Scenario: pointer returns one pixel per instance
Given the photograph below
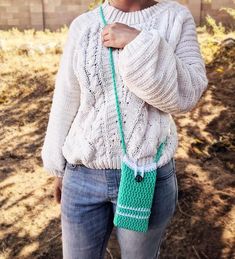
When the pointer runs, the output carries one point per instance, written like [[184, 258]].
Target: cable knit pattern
[[159, 73]]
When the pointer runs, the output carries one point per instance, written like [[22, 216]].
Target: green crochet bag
[[137, 183]]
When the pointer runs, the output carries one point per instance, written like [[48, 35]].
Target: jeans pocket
[[164, 200], [166, 176], [166, 172], [165, 195]]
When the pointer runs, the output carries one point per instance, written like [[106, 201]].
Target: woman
[[160, 72]]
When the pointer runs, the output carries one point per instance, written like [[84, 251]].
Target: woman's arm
[[172, 81], [65, 104]]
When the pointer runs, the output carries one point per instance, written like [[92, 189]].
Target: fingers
[[106, 41], [105, 37], [57, 194], [114, 35], [105, 32], [57, 189]]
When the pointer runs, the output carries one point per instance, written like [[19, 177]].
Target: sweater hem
[[115, 162], [54, 172]]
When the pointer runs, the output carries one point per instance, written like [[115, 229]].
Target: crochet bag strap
[[135, 194], [160, 149]]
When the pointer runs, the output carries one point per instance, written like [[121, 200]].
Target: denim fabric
[[88, 203]]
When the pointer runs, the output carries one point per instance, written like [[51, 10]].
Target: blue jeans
[[88, 203]]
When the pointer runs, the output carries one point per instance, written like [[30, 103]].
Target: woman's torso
[[93, 139]]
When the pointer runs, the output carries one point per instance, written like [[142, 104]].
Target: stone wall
[[52, 14], [39, 14]]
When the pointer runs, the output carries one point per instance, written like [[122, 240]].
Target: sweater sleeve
[[170, 79], [65, 103]]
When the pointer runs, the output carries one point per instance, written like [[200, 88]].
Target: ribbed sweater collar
[[113, 14]]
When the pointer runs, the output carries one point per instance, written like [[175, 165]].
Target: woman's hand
[[58, 188], [117, 35]]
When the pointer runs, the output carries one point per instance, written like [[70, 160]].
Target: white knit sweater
[[159, 73]]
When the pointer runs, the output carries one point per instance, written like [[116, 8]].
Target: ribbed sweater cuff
[[54, 172]]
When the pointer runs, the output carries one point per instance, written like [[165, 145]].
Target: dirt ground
[[203, 225]]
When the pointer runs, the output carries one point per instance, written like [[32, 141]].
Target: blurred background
[[32, 34]]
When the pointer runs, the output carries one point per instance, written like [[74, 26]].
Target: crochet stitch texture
[[160, 73]]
